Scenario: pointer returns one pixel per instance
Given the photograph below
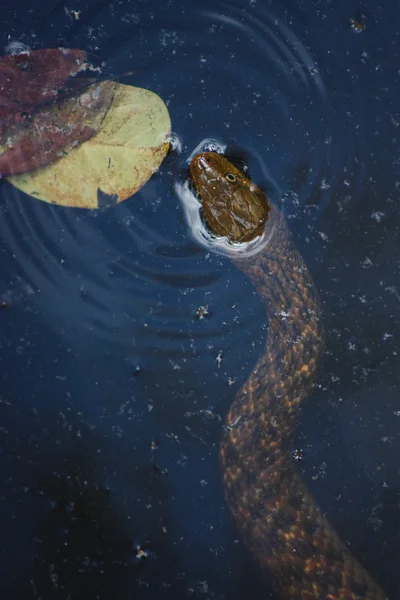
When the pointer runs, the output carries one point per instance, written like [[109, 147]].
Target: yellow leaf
[[127, 149]]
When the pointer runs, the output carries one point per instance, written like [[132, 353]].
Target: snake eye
[[231, 177]]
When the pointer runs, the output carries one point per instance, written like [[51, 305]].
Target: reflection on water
[[112, 391]]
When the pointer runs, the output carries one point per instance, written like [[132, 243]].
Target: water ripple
[[233, 74]]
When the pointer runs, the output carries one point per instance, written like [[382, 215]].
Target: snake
[[277, 517]]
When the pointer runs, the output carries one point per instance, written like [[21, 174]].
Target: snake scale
[[276, 515]]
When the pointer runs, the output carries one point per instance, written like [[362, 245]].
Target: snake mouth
[[201, 161]]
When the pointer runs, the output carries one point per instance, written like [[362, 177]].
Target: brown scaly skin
[[278, 518], [237, 208]]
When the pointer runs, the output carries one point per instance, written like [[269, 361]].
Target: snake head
[[233, 206]]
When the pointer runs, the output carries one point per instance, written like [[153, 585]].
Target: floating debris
[[202, 312], [142, 553], [358, 25], [298, 454], [154, 445], [138, 369]]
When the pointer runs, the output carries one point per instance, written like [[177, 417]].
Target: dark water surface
[[111, 399]]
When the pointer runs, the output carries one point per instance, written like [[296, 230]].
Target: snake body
[[279, 520]]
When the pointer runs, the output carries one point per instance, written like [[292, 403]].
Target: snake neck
[[287, 368], [278, 518]]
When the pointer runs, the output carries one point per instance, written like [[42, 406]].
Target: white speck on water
[[323, 236], [71, 13], [175, 366], [366, 263], [169, 38], [377, 215], [321, 472], [393, 290]]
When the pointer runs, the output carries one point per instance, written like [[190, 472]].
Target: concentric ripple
[[233, 73], [109, 276]]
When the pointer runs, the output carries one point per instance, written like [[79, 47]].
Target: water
[[112, 400]]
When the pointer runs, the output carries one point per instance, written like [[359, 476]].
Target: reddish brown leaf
[[33, 79], [54, 130]]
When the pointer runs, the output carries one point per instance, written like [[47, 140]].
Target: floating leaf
[[54, 129], [115, 163], [37, 123], [32, 79]]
